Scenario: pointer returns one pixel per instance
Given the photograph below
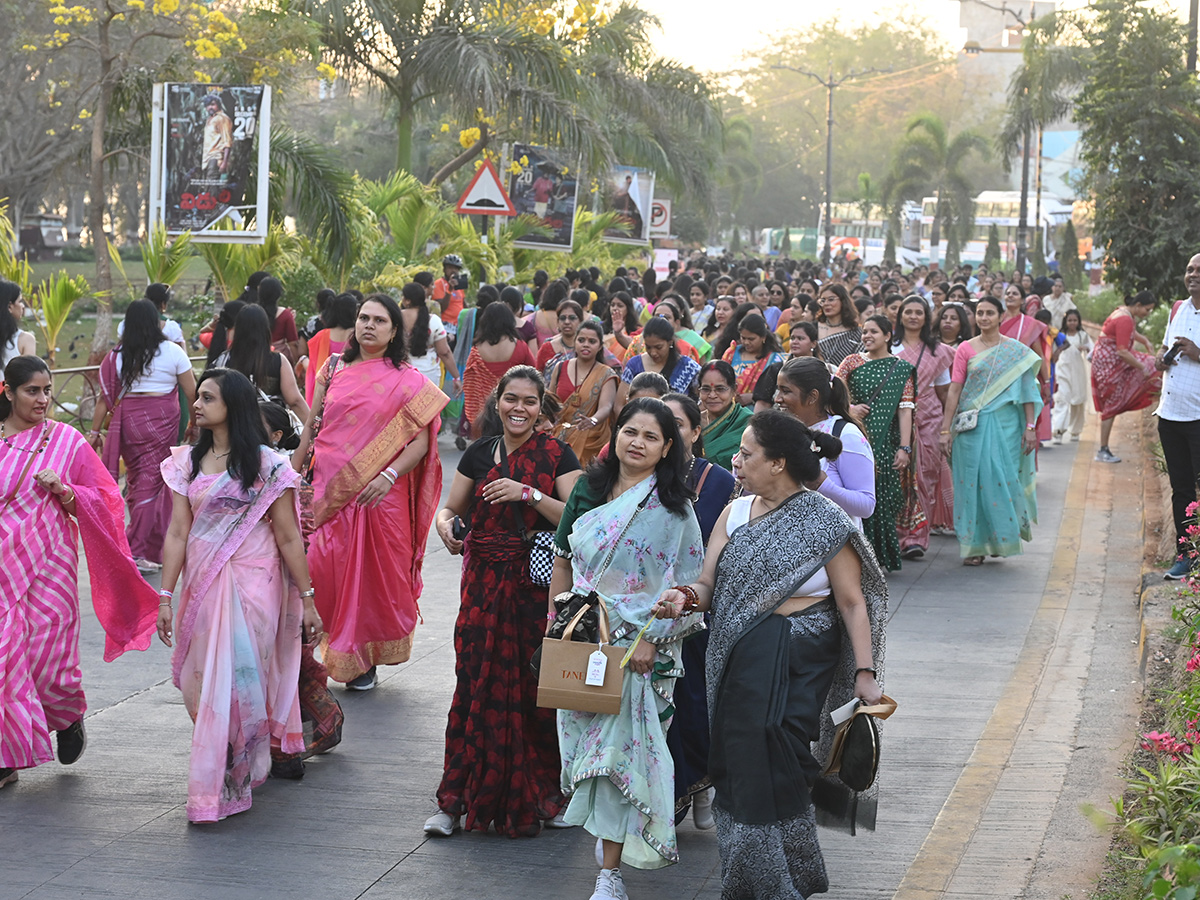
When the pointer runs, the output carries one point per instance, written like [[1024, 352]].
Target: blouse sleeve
[[908, 399], [1122, 330], [437, 330], [577, 504], [850, 481], [177, 470], [289, 325], [631, 370], [962, 356], [174, 358]]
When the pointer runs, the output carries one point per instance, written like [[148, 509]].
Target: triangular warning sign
[[485, 195]]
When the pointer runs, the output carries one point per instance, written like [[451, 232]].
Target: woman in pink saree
[[377, 480], [54, 490], [932, 360], [1032, 333], [235, 549]]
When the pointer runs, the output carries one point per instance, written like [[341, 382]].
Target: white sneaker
[[702, 816], [442, 823], [558, 821], [610, 886]]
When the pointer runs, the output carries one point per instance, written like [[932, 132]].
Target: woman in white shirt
[[138, 381], [13, 341], [428, 346]]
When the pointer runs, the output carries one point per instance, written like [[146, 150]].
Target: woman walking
[[428, 346], [883, 394], [1070, 379], [501, 763], [497, 349], [1032, 333], [54, 491], [837, 324], [994, 385], [661, 356], [800, 637], [250, 353], [621, 324], [932, 361], [377, 477], [338, 319], [13, 341], [724, 419], [1123, 379], [245, 602], [588, 391], [757, 349], [628, 533], [138, 381], [569, 314]]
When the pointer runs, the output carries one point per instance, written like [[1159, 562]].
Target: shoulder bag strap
[[838, 427], [24, 472], [886, 379], [703, 478]]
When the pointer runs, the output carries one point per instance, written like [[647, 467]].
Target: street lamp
[[829, 83]]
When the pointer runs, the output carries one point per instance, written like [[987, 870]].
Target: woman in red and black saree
[[501, 764], [54, 490], [376, 479], [245, 603]]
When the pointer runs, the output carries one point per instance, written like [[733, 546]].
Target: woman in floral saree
[[883, 396], [377, 479], [799, 606], [628, 532], [995, 491], [235, 552], [54, 490]]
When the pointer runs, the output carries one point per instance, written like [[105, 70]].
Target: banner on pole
[[209, 142], [544, 183], [628, 191]]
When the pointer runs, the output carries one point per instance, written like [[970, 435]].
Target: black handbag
[[854, 757]]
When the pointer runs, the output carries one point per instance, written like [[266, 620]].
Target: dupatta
[[723, 437], [372, 411], [993, 370], [585, 399]]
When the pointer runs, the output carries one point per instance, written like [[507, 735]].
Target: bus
[[862, 238], [1002, 209]]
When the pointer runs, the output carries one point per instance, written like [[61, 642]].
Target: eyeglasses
[[568, 318], [715, 389]]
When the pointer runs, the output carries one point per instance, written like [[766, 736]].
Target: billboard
[[628, 192], [544, 183], [209, 143]]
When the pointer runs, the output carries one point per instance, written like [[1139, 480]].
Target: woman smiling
[[723, 417]]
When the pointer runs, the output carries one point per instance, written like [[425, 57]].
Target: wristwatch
[[906, 448], [535, 497]]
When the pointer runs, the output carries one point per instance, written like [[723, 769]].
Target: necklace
[[217, 455], [41, 446]]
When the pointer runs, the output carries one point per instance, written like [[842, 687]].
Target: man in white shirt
[[1179, 409]]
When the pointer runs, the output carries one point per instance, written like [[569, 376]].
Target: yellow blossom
[[326, 71], [445, 128], [29, 48], [202, 77], [165, 7], [468, 137], [84, 114], [206, 49], [136, 4]]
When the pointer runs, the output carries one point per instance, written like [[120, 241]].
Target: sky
[[712, 37]]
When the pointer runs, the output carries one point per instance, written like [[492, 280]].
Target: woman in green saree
[[724, 419], [883, 395], [995, 495]]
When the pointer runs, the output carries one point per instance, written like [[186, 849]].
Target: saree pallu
[[585, 399], [865, 378], [142, 431], [837, 347], [995, 492], [40, 682], [702, 347], [772, 683], [365, 562], [1117, 386], [1032, 333], [723, 437], [237, 648], [501, 762], [618, 768], [928, 459], [748, 370]]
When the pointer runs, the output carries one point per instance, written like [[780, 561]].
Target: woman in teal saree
[[993, 382], [883, 394]]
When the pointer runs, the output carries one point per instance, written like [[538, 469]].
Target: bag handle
[[881, 710], [578, 617]]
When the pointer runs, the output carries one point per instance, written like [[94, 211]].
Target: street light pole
[[829, 83]]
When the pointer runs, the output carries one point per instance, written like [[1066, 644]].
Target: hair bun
[[825, 446]]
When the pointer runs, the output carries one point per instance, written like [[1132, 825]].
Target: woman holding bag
[[505, 488], [627, 533]]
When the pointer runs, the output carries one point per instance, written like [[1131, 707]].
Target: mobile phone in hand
[[1172, 355]]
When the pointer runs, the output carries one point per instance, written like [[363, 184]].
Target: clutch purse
[[964, 421]]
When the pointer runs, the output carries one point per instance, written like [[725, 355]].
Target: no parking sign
[[660, 218]]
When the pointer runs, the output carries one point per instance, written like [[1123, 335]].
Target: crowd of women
[[643, 444]]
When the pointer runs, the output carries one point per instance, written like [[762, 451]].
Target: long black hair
[[925, 335], [396, 352], [965, 333], [251, 351], [244, 423], [691, 410], [808, 374], [672, 470], [757, 325], [496, 323], [553, 294], [713, 325], [733, 328], [9, 326], [269, 292], [19, 371], [418, 338], [139, 341], [275, 418], [785, 437], [220, 333], [340, 312], [631, 316], [660, 328]]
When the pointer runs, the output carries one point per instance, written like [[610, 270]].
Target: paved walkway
[[1017, 685]]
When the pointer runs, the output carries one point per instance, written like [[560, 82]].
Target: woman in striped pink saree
[[53, 490]]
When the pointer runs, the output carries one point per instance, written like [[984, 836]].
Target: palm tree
[[1040, 93], [928, 160]]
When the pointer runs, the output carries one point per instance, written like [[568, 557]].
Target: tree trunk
[[404, 140], [463, 158], [102, 286]]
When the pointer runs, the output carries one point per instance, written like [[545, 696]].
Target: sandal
[[973, 561]]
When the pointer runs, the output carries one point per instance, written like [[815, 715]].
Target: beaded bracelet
[[691, 600]]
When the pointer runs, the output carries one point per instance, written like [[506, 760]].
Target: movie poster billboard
[[211, 145], [546, 187], [628, 192]]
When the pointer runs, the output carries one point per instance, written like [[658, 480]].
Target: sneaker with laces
[[72, 741], [1180, 570], [1105, 455], [364, 682], [442, 823], [610, 886]]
